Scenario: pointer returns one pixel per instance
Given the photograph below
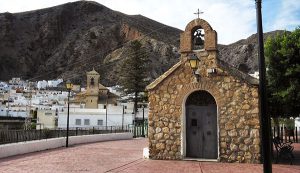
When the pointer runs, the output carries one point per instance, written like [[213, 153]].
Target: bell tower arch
[[198, 35]]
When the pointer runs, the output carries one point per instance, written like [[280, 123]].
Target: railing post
[[140, 131], [285, 137], [296, 134], [134, 130], [281, 132], [147, 130], [278, 130]]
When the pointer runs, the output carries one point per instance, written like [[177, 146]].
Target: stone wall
[[237, 102]]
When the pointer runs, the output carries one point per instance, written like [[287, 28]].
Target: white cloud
[[14, 6], [289, 16], [232, 20]]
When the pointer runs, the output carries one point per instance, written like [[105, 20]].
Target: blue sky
[[232, 19], [281, 14]]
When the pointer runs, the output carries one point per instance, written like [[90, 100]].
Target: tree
[[133, 72], [283, 74]]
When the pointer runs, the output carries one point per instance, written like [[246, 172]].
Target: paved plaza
[[123, 156]]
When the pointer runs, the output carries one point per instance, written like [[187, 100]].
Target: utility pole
[[106, 114], [7, 110], [29, 116], [264, 117], [68, 118], [123, 118], [143, 130]]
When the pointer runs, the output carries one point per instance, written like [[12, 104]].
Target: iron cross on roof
[[199, 12]]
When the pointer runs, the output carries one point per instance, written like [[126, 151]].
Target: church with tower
[[92, 92], [202, 108], [96, 94]]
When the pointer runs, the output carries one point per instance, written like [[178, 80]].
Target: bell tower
[[200, 40], [92, 91], [198, 36]]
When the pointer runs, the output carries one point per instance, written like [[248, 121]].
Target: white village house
[[96, 106]]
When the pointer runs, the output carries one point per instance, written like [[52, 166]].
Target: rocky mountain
[[243, 53], [70, 39]]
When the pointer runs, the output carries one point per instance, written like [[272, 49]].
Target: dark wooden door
[[201, 131]]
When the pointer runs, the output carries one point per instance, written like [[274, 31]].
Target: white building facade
[[85, 118]]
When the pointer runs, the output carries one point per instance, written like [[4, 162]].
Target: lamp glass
[[193, 63], [193, 59], [69, 85]]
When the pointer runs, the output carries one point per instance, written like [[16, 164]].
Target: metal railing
[[137, 130], [286, 134], [13, 136]]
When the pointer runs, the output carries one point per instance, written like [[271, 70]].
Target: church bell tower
[[92, 92]]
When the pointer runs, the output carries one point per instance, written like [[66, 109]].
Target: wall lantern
[[194, 61]]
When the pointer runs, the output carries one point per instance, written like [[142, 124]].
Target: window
[[104, 107], [48, 113], [92, 81], [86, 122], [78, 122], [100, 122]]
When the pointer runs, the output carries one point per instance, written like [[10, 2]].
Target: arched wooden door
[[201, 126]]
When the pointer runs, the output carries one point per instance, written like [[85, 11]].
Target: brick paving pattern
[[123, 156]]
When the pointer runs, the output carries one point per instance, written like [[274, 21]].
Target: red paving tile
[[122, 156]]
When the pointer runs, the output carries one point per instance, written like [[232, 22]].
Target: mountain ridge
[[69, 39]]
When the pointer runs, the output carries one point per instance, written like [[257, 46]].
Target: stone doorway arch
[[201, 126]]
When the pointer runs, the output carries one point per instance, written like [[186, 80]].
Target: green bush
[[33, 125], [47, 133], [289, 123]]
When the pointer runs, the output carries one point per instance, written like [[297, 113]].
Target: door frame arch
[[183, 125]]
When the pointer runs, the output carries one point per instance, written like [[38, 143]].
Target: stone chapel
[[207, 112]]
